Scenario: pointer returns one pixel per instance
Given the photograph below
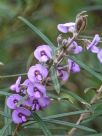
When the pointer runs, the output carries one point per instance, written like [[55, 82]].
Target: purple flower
[[63, 75], [73, 67], [27, 103], [37, 73], [74, 48], [43, 53], [12, 101], [99, 55], [36, 90], [67, 27], [16, 87], [20, 115], [38, 104], [93, 45], [25, 85]]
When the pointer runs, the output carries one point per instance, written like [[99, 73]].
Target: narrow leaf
[[96, 114], [59, 116], [6, 120], [60, 122], [76, 97], [66, 114], [42, 124], [4, 93], [63, 123], [4, 114], [14, 75], [3, 130], [89, 89], [55, 80], [37, 31]]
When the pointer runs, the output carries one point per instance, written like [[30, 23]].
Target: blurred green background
[[17, 42]]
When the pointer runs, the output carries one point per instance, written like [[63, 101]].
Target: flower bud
[[81, 22], [59, 39], [64, 42]]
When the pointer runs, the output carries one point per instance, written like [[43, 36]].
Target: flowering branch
[[31, 95], [83, 116]]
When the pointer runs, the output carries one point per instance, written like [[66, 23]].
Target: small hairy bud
[[86, 42], [81, 21], [59, 39], [64, 42]]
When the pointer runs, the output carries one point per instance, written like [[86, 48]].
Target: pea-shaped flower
[[74, 47], [73, 67], [62, 74], [25, 85], [37, 73], [93, 45], [43, 53], [12, 101], [36, 90], [16, 87], [38, 104], [67, 27], [20, 115]]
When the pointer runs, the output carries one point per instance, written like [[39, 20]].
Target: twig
[[83, 116]]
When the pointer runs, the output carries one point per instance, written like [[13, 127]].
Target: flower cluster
[[31, 95], [28, 96], [91, 46]]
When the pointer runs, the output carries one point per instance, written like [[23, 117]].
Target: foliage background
[[17, 42]]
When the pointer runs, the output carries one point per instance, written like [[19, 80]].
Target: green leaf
[[3, 130], [51, 95], [4, 93], [76, 97], [66, 114], [75, 106], [59, 116], [41, 124], [63, 123], [6, 120], [37, 31], [15, 75], [67, 97], [96, 114], [55, 80], [87, 68], [60, 122], [4, 114], [89, 89]]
